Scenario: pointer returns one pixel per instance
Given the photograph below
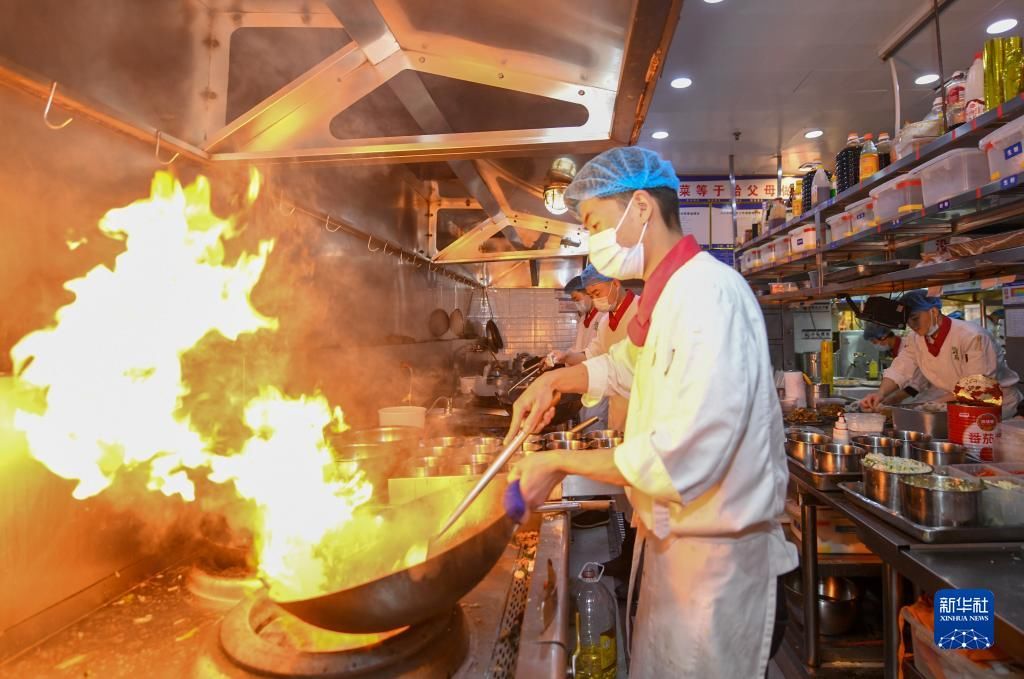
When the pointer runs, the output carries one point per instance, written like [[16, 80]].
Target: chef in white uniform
[[589, 315], [703, 460], [943, 350], [619, 307], [888, 342]]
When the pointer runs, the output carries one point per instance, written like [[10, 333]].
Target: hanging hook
[[371, 249], [385, 247], [327, 225], [418, 262], [280, 207], [159, 134], [46, 111]]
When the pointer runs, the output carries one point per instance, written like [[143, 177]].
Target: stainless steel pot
[[419, 467], [816, 393], [442, 442], [836, 458], [810, 364], [800, 446], [882, 485], [400, 435], [941, 501], [561, 436], [875, 441], [939, 453], [483, 449], [603, 444], [566, 445], [907, 440], [935, 425], [492, 441], [603, 434]]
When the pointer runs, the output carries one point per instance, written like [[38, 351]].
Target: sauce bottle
[[868, 157]]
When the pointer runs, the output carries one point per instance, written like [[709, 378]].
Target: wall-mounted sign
[[718, 188]]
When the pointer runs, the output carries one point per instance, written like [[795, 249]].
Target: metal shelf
[[967, 134]]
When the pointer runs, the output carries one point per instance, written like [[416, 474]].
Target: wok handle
[[583, 425], [573, 505], [487, 477]]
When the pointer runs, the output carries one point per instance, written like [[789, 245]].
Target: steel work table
[[998, 567]]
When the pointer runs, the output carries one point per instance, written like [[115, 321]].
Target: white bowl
[[466, 384], [403, 416]]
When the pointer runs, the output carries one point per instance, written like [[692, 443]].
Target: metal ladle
[[492, 471]]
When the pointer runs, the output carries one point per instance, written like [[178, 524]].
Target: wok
[[399, 596]]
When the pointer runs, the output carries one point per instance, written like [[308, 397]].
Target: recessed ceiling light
[[712, 2], [813, 134], [660, 134], [681, 83], [927, 79], [1001, 26]]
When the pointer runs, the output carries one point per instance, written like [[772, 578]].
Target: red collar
[[590, 316], [681, 253], [616, 315], [935, 344], [896, 349]]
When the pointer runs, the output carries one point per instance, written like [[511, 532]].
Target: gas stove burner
[[261, 637], [221, 590]]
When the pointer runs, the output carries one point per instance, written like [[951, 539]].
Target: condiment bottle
[[841, 433], [868, 157], [884, 150]]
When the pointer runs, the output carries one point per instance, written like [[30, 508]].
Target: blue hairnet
[[918, 300], [620, 170], [873, 331], [591, 275], [574, 285], [958, 315]]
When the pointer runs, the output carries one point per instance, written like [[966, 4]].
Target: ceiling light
[[1001, 26], [810, 165], [712, 2], [813, 134], [681, 83], [660, 134], [927, 79], [559, 176]]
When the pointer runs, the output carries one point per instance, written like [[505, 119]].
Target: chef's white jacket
[[704, 459], [967, 350], [606, 338], [584, 334]]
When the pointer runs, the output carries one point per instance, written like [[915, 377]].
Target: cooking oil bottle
[[596, 657]]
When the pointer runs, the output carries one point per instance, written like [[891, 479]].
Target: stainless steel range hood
[[478, 98]]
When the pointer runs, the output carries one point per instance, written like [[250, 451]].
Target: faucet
[[448, 405], [408, 396], [857, 355]]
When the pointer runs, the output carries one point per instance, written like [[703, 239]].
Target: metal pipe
[[942, 71], [896, 97], [732, 197], [809, 571], [778, 177]]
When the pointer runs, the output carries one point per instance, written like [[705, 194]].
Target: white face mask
[[583, 306], [602, 304], [614, 260], [932, 329]]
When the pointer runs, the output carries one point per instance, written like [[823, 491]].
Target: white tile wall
[[529, 320]]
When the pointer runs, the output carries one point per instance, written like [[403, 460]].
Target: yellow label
[[868, 165]]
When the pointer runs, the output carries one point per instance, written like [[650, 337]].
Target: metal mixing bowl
[[838, 602], [941, 501], [424, 466], [800, 446], [442, 442], [908, 439], [940, 453], [492, 441], [882, 485], [561, 436], [836, 458]]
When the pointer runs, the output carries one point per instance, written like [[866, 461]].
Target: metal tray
[[853, 273], [855, 491], [826, 482]]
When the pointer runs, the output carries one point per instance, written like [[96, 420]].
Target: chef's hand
[[554, 358], [870, 403], [535, 407], [537, 474]]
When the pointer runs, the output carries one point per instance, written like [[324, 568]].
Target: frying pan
[[438, 322], [494, 340], [458, 561], [457, 323]]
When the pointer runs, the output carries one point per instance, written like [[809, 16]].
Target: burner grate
[[506, 649]]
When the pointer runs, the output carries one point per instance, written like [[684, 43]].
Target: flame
[[110, 383]]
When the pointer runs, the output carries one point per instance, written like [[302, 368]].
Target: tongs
[[492, 471]]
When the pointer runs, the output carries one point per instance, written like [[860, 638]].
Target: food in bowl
[[1004, 484], [978, 390], [803, 415], [831, 411], [895, 465], [946, 483]]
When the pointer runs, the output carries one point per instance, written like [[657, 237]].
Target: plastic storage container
[[782, 247], [865, 424], [839, 227], [936, 663], [755, 259], [862, 215], [1002, 502], [1005, 149], [803, 238], [951, 174], [896, 197]]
